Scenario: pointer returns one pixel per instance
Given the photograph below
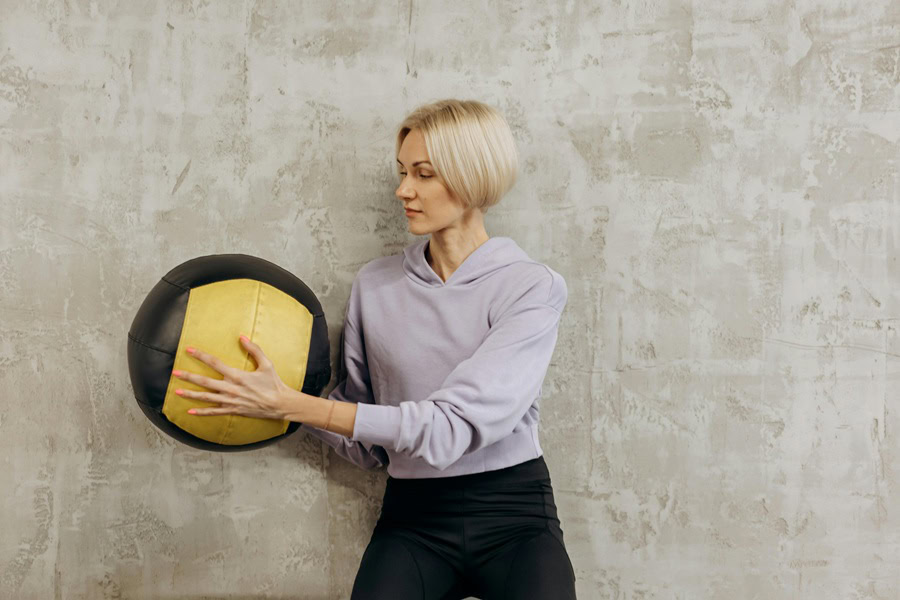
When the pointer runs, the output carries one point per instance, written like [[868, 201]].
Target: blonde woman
[[445, 348]]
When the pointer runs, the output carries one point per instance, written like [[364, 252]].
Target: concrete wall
[[717, 182]]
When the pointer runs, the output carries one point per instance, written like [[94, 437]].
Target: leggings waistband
[[529, 471]]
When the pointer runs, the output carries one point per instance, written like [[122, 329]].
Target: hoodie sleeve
[[486, 395], [354, 387]]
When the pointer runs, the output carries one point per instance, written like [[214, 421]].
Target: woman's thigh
[[537, 568], [394, 567]]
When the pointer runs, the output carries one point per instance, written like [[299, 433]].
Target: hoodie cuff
[[377, 424]]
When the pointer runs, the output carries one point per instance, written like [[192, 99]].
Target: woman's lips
[[410, 213]]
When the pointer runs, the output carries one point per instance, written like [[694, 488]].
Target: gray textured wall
[[717, 182]]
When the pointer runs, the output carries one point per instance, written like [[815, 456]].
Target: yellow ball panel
[[216, 314]]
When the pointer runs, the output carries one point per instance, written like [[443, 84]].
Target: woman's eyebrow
[[415, 163]]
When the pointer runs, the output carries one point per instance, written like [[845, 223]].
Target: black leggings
[[493, 535]]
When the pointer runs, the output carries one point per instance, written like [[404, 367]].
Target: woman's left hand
[[260, 393]]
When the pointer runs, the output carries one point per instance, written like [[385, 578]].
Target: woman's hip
[[522, 491]]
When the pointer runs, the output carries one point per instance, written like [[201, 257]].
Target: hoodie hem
[[515, 448]]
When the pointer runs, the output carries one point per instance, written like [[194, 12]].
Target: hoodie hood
[[496, 253]]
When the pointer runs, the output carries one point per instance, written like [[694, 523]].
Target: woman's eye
[[422, 176]]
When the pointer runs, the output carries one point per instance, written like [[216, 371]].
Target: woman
[[445, 348]]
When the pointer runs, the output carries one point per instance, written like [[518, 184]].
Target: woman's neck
[[445, 253]]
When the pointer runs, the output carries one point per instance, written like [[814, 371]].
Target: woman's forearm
[[313, 410]]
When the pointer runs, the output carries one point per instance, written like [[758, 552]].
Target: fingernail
[[190, 350], [178, 392], [192, 412], [244, 337], [176, 373]]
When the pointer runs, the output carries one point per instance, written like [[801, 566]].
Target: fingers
[[212, 411], [206, 396], [214, 362], [232, 408], [219, 385]]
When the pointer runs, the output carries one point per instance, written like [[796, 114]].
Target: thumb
[[256, 352]]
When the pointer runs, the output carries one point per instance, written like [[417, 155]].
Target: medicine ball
[[207, 302]]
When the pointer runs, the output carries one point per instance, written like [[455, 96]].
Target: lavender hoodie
[[447, 375]]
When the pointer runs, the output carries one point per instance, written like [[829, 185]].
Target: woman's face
[[420, 189]]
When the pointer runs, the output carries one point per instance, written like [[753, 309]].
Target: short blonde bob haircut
[[470, 146]]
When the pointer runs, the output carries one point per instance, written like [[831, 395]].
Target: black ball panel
[[157, 328]]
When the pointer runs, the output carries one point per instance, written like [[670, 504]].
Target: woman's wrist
[[315, 411]]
